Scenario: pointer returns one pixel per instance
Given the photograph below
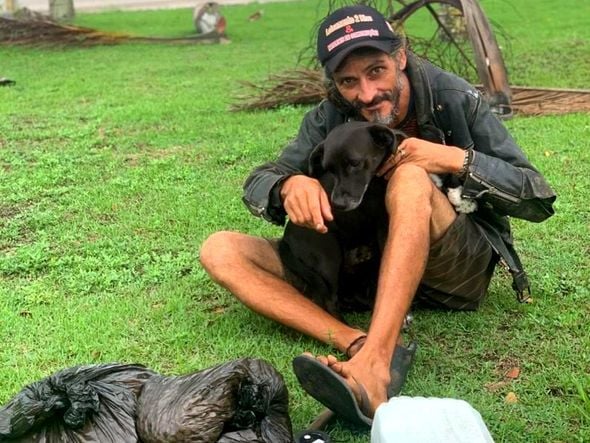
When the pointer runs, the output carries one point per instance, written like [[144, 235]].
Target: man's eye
[[377, 70], [347, 82]]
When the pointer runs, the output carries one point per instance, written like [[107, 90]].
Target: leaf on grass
[[511, 398], [513, 373], [217, 309], [495, 386]]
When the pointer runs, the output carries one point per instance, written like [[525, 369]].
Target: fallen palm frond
[[541, 101], [293, 87], [39, 31], [306, 86]]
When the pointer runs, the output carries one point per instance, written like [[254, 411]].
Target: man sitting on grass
[[432, 254]]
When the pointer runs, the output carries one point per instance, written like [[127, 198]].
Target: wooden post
[[61, 9], [488, 58], [10, 5]]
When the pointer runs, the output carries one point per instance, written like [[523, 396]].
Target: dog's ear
[[386, 138], [315, 161]]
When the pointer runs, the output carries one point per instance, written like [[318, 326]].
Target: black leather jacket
[[449, 111]]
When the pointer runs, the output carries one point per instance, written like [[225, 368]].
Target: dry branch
[[293, 87], [39, 31]]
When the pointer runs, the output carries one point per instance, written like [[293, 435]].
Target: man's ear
[[315, 161], [402, 58]]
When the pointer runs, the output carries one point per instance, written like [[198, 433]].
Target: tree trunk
[[10, 6], [61, 9]]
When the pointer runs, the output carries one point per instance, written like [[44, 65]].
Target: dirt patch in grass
[[184, 153]]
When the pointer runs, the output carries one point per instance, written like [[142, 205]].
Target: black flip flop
[[332, 390], [402, 361]]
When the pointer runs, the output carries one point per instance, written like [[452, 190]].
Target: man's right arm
[[306, 202], [262, 189]]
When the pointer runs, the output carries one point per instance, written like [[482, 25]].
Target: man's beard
[[392, 96], [387, 119]]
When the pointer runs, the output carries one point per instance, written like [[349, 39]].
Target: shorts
[[459, 269], [457, 275]]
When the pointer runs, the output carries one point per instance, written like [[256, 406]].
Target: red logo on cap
[[348, 29]]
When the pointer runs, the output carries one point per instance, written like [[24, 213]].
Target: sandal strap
[[357, 341]]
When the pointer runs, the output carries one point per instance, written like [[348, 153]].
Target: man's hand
[[306, 202], [434, 158]]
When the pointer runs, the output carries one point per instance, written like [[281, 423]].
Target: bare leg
[[419, 214], [251, 270]]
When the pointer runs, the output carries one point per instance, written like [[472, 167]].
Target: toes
[[323, 360], [327, 360], [341, 369], [331, 360]]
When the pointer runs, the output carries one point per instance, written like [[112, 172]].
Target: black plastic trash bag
[[91, 404], [245, 400]]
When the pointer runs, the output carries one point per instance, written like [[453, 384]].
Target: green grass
[[117, 162]]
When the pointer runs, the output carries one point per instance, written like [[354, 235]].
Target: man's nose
[[366, 91]]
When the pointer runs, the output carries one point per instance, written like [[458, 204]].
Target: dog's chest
[[364, 224]]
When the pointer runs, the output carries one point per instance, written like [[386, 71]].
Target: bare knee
[[412, 192], [409, 185], [218, 252], [231, 258]]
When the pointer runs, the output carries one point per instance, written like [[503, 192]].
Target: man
[[372, 77]]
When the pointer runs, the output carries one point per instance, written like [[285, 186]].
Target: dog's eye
[[354, 163]]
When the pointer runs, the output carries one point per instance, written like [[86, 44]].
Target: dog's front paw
[[464, 205]]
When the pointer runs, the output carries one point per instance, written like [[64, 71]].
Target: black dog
[[345, 164]]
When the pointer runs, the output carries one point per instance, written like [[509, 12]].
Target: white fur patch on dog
[[436, 180], [464, 205]]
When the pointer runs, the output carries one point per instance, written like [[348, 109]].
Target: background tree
[[61, 9]]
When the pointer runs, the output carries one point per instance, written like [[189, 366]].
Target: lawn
[[117, 162]]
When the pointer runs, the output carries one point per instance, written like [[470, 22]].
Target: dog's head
[[351, 154]]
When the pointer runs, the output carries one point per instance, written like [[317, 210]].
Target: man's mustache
[[386, 96]]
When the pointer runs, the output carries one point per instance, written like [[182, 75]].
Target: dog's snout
[[347, 205], [344, 201]]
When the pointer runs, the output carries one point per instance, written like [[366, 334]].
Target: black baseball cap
[[352, 27]]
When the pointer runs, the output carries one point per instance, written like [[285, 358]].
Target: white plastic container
[[428, 420]]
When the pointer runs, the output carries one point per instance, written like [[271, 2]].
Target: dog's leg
[[461, 204], [454, 193]]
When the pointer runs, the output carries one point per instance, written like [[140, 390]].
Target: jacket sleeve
[[500, 174], [261, 189]]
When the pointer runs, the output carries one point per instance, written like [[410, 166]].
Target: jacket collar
[[419, 81], [420, 72]]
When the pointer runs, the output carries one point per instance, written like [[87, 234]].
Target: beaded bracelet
[[462, 173]]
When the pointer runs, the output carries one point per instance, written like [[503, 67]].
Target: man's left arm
[[499, 173]]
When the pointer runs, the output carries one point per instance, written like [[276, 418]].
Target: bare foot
[[366, 375]]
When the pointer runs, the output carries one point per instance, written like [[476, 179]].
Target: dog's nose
[[345, 203]]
